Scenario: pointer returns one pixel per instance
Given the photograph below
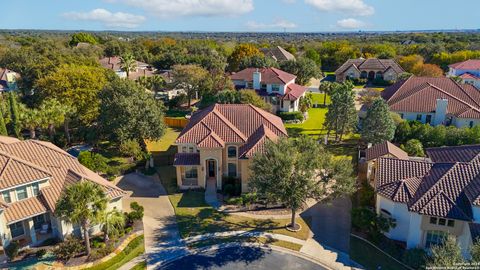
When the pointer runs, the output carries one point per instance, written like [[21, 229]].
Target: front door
[[211, 168]]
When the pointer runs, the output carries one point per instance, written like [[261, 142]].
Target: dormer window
[[232, 152], [35, 189], [21, 193], [6, 196]]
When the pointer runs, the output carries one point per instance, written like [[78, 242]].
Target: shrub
[[131, 148], [128, 230], [366, 195], [414, 148], [93, 161], [382, 82], [12, 250], [415, 258], [68, 249], [51, 241], [249, 198], [229, 189], [291, 116], [135, 214], [359, 81], [235, 201], [97, 243], [374, 225], [40, 253], [101, 252]]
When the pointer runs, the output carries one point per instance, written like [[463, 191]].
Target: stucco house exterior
[[371, 69], [432, 199], [276, 86], [8, 80], [33, 175], [114, 63], [373, 153], [436, 101], [220, 141], [468, 71]]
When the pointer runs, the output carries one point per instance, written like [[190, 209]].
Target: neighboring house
[[220, 141], [8, 80], [437, 101], [431, 199], [373, 153], [278, 54], [371, 69], [468, 71], [276, 86], [114, 63], [33, 175]]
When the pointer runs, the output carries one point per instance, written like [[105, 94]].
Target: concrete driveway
[[162, 239]]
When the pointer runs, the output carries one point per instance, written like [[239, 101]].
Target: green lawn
[[132, 250], [164, 143], [140, 266], [195, 217], [318, 98], [370, 257]]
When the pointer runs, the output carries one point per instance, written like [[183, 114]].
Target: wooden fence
[[176, 122]]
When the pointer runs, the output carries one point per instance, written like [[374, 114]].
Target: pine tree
[[14, 112], [378, 126], [3, 127], [341, 117]]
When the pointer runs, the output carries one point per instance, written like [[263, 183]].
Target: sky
[[241, 15]]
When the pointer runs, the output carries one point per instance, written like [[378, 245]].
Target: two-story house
[[436, 101], [8, 80], [276, 86], [432, 199], [371, 69], [220, 140], [468, 71], [114, 63], [33, 175]]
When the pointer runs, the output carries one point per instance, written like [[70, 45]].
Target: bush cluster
[[69, 248], [12, 250], [291, 116], [232, 186]]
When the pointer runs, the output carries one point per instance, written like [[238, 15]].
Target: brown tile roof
[[256, 142], [222, 124], [420, 94], [62, 167], [469, 64], [370, 64], [268, 75], [294, 91], [23, 209], [186, 159], [446, 188], [385, 148], [14, 171], [469, 76], [464, 153], [278, 53]]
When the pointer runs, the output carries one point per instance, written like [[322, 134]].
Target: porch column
[[33, 235]]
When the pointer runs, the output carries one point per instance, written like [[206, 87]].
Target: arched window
[[232, 152]]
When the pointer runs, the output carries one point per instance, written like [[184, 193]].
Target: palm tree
[[325, 87], [128, 63], [53, 114], [306, 102], [30, 119], [113, 223], [84, 204]]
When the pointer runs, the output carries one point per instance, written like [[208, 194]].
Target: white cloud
[[179, 8], [350, 23], [117, 20], [277, 24], [355, 7]]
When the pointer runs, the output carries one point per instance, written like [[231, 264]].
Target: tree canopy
[[378, 125]]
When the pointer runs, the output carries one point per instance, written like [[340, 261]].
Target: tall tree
[[378, 125], [53, 114], [82, 204], [30, 119], [128, 112], [241, 52], [341, 117], [128, 63], [326, 88], [191, 78], [291, 171], [303, 68], [15, 124], [3, 127], [306, 102]]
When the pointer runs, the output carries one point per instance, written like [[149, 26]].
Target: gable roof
[[445, 188], [268, 75], [370, 64], [277, 53], [385, 148], [222, 124], [34, 160], [463, 153], [4, 74], [420, 94], [468, 75], [468, 64], [294, 91]]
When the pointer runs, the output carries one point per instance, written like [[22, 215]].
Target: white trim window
[[6, 196], [16, 229], [35, 189], [21, 193], [191, 172], [232, 152]]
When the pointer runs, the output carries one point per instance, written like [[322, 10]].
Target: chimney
[[257, 78], [441, 111]]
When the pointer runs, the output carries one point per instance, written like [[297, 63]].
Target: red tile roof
[[469, 64], [385, 148], [420, 94], [268, 75], [446, 188], [469, 76], [294, 91], [222, 124]]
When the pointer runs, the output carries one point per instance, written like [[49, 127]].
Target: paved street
[[239, 258], [162, 240]]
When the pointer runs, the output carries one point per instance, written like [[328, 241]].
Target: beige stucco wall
[[455, 230], [245, 174], [206, 154]]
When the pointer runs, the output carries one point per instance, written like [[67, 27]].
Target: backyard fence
[[176, 122]]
